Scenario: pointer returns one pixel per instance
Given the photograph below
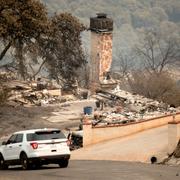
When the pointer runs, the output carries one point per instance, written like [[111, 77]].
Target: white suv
[[33, 148]]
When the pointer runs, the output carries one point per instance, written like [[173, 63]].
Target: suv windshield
[[45, 135]]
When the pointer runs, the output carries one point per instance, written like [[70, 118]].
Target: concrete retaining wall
[[93, 135], [173, 135]]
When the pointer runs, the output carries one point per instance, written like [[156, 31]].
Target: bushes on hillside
[[156, 86]]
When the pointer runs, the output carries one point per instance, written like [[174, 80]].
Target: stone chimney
[[101, 48]]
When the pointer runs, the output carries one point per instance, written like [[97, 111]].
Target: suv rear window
[[45, 135]]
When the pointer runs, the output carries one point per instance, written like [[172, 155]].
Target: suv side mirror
[[4, 143]]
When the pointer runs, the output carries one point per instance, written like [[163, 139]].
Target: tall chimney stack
[[101, 48]]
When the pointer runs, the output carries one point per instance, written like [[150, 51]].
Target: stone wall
[[101, 56], [93, 135], [94, 61], [101, 23], [105, 46], [101, 49]]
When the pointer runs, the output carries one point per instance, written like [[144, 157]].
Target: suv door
[[13, 147], [7, 151], [17, 146]]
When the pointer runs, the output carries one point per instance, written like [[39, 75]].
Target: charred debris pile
[[112, 106], [39, 92], [121, 107]]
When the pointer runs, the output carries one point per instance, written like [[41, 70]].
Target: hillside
[[135, 12], [129, 17]]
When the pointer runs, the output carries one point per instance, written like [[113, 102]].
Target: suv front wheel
[[2, 163]]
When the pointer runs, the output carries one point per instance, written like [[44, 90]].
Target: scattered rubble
[[6, 76], [76, 138], [174, 158], [120, 107], [37, 93], [40, 92]]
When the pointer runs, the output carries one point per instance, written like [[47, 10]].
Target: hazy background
[[130, 17]]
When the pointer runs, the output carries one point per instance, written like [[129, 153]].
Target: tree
[[84, 71], [61, 48], [21, 22], [125, 64], [158, 51], [151, 85], [4, 91]]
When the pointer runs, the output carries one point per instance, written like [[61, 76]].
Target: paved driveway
[[139, 147], [96, 170]]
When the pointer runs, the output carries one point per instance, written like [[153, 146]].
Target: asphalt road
[[92, 170]]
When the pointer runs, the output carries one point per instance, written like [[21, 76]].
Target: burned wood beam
[[110, 95]]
